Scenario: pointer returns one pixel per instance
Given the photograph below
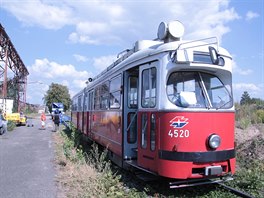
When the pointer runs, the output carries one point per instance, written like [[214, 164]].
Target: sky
[[69, 41]]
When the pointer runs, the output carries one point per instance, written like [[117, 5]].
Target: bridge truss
[[13, 73]]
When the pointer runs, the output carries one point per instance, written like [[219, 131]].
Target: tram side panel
[[85, 123], [80, 121], [106, 130], [74, 117]]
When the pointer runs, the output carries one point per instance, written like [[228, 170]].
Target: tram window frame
[[80, 105], [115, 83], [85, 101], [132, 96], [115, 100], [97, 98], [104, 98], [132, 132], [193, 89], [74, 104], [149, 87], [144, 130], [90, 99], [115, 92]]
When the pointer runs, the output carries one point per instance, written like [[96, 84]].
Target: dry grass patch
[[74, 179], [86, 173]]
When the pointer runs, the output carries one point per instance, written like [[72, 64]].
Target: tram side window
[[132, 92], [104, 95], [144, 128], [97, 98], [85, 102], [132, 133], [90, 101], [115, 92], [149, 88], [80, 103], [74, 104]]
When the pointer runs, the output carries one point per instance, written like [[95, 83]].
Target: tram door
[[130, 114]]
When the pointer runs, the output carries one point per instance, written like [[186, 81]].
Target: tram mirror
[[213, 55]]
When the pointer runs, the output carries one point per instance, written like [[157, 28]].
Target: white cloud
[[210, 19], [100, 63], [246, 86], [102, 22], [36, 12], [80, 58], [251, 15], [49, 71], [254, 90], [52, 70], [46, 72]]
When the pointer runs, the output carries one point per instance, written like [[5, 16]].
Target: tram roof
[[146, 48], [169, 40]]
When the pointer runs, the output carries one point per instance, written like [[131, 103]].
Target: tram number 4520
[[179, 133]]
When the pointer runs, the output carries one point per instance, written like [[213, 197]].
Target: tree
[[245, 98], [57, 93]]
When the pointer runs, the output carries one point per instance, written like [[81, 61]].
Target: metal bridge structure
[[13, 73]]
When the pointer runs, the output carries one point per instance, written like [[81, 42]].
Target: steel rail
[[235, 191]]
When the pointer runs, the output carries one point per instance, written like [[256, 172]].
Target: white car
[[3, 125]]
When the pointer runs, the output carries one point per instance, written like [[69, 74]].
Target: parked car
[[3, 125]]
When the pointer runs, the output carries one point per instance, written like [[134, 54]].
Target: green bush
[[11, 125], [249, 114], [260, 114], [244, 123], [72, 152]]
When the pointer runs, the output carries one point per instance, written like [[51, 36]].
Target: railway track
[[198, 182], [235, 191]]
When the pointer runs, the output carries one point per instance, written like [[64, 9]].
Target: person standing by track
[[56, 120], [43, 120]]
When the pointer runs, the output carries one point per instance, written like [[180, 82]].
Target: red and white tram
[[165, 106]]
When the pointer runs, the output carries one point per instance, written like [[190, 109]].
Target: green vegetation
[[249, 111], [11, 125], [92, 174], [57, 93], [249, 175]]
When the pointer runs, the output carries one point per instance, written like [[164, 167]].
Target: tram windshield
[[198, 90]]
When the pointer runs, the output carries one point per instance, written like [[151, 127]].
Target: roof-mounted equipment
[[173, 31]]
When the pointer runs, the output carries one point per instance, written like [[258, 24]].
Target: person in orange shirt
[[43, 119]]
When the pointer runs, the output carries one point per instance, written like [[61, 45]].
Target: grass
[[85, 171]]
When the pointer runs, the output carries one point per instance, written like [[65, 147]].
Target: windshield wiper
[[223, 105]]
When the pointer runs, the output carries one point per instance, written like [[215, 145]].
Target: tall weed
[[248, 114]]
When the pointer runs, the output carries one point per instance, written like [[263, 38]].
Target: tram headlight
[[214, 141]]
